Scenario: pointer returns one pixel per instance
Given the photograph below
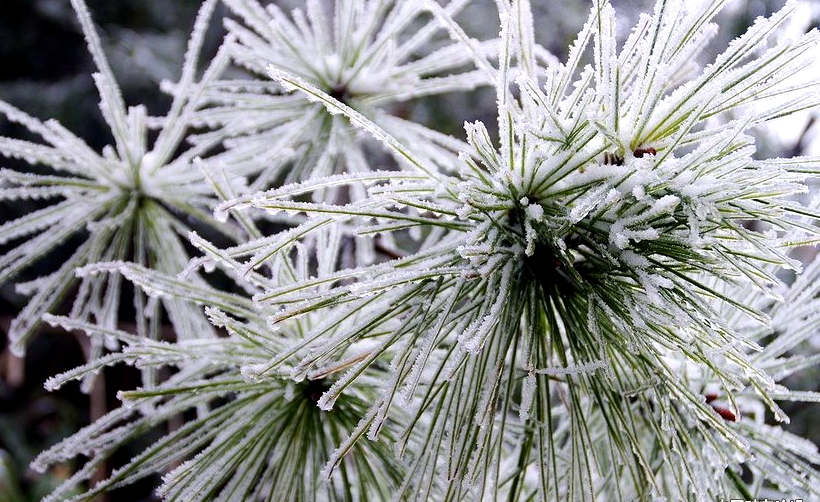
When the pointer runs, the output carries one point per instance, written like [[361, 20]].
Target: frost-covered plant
[[368, 54], [131, 202], [254, 431], [588, 307], [250, 427], [592, 242], [253, 438]]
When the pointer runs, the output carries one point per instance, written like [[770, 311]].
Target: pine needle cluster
[[589, 304]]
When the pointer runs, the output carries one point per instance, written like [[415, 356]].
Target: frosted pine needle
[[370, 55], [588, 308], [604, 236], [130, 202], [255, 436]]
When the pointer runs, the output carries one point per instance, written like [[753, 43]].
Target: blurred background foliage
[[45, 70]]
